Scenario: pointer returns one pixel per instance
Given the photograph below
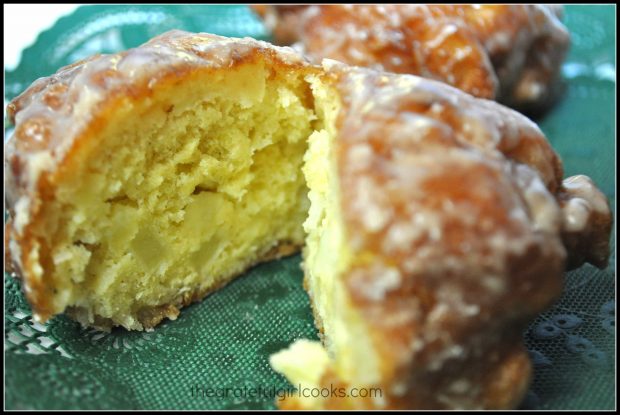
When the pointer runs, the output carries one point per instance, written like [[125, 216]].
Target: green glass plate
[[224, 341]]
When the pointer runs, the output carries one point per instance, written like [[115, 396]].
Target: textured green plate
[[224, 341]]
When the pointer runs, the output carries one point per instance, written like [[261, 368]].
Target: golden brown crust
[[507, 52], [587, 222], [452, 226]]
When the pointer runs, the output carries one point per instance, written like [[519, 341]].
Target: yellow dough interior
[[326, 259], [182, 191]]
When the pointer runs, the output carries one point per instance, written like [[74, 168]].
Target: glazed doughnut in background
[[510, 53]]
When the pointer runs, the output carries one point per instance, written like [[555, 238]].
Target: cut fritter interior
[[182, 191], [327, 257]]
